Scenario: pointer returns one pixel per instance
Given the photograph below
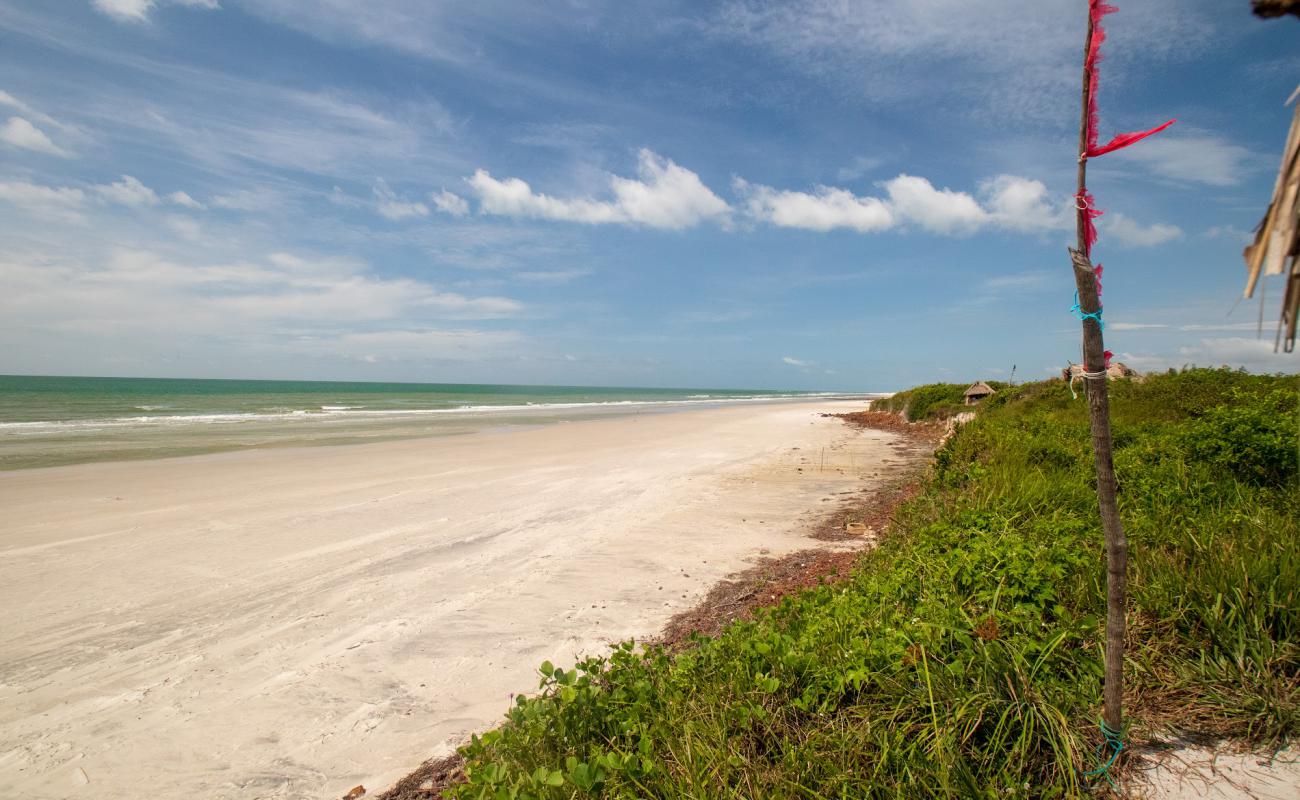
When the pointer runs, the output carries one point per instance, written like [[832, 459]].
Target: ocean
[[51, 421]]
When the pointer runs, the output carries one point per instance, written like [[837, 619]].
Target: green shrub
[[1256, 441]]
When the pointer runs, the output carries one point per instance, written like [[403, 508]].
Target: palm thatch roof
[[1276, 249], [979, 389]]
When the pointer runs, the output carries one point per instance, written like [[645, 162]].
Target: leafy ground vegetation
[[963, 657]]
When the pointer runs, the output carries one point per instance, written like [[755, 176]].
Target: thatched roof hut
[[977, 392], [1276, 249]]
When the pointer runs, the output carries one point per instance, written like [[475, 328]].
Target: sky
[[787, 194]]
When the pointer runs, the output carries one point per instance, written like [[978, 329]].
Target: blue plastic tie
[[1078, 311], [1113, 740]]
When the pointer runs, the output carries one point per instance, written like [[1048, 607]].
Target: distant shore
[[293, 622]]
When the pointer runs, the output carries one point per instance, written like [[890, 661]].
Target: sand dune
[[290, 623]]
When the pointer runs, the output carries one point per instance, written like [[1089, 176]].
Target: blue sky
[[810, 194]]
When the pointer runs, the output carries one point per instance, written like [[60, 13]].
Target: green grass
[[963, 657]]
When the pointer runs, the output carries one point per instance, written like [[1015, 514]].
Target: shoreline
[[44, 444], [283, 622]]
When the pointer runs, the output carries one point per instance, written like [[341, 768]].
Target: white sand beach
[[291, 623]]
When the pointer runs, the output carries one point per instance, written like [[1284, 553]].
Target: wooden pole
[[1095, 383]]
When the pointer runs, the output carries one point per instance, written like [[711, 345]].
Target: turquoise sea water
[[47, 421]]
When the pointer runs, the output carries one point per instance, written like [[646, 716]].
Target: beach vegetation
[[962, 658]]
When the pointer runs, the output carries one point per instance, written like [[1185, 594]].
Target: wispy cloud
[[1255, 355], [797, 362], [449, 203], [1202, 158], [860, 167], [128, 191], [1019, 281], [55, 202], [1133, 234], [390, 206], [252, 200], [552, 276], [1230, 232], [149, 293], [139, 10], [990, 58], [18, 132], [1134, 326], [183, 199]]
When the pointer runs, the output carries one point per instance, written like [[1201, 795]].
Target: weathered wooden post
[[1087, 280]]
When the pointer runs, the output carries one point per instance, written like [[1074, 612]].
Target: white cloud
[[18, 132], [128, 191], [1010, 202], [46, 201], [827, 209], [138, 10], [1022, 204], [183, 199], [939, 210], [665, 195], [1194, 158], [797, 362], [390, 206], [449, 203], [1133, 234]]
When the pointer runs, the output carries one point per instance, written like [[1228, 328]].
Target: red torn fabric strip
[[1096, 271], [1096, 10], [1109, 355], [1123, 140], [1084, 202]]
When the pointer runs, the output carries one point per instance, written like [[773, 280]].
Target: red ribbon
[[1084, 202], [1096, 10], [1123, 140]]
